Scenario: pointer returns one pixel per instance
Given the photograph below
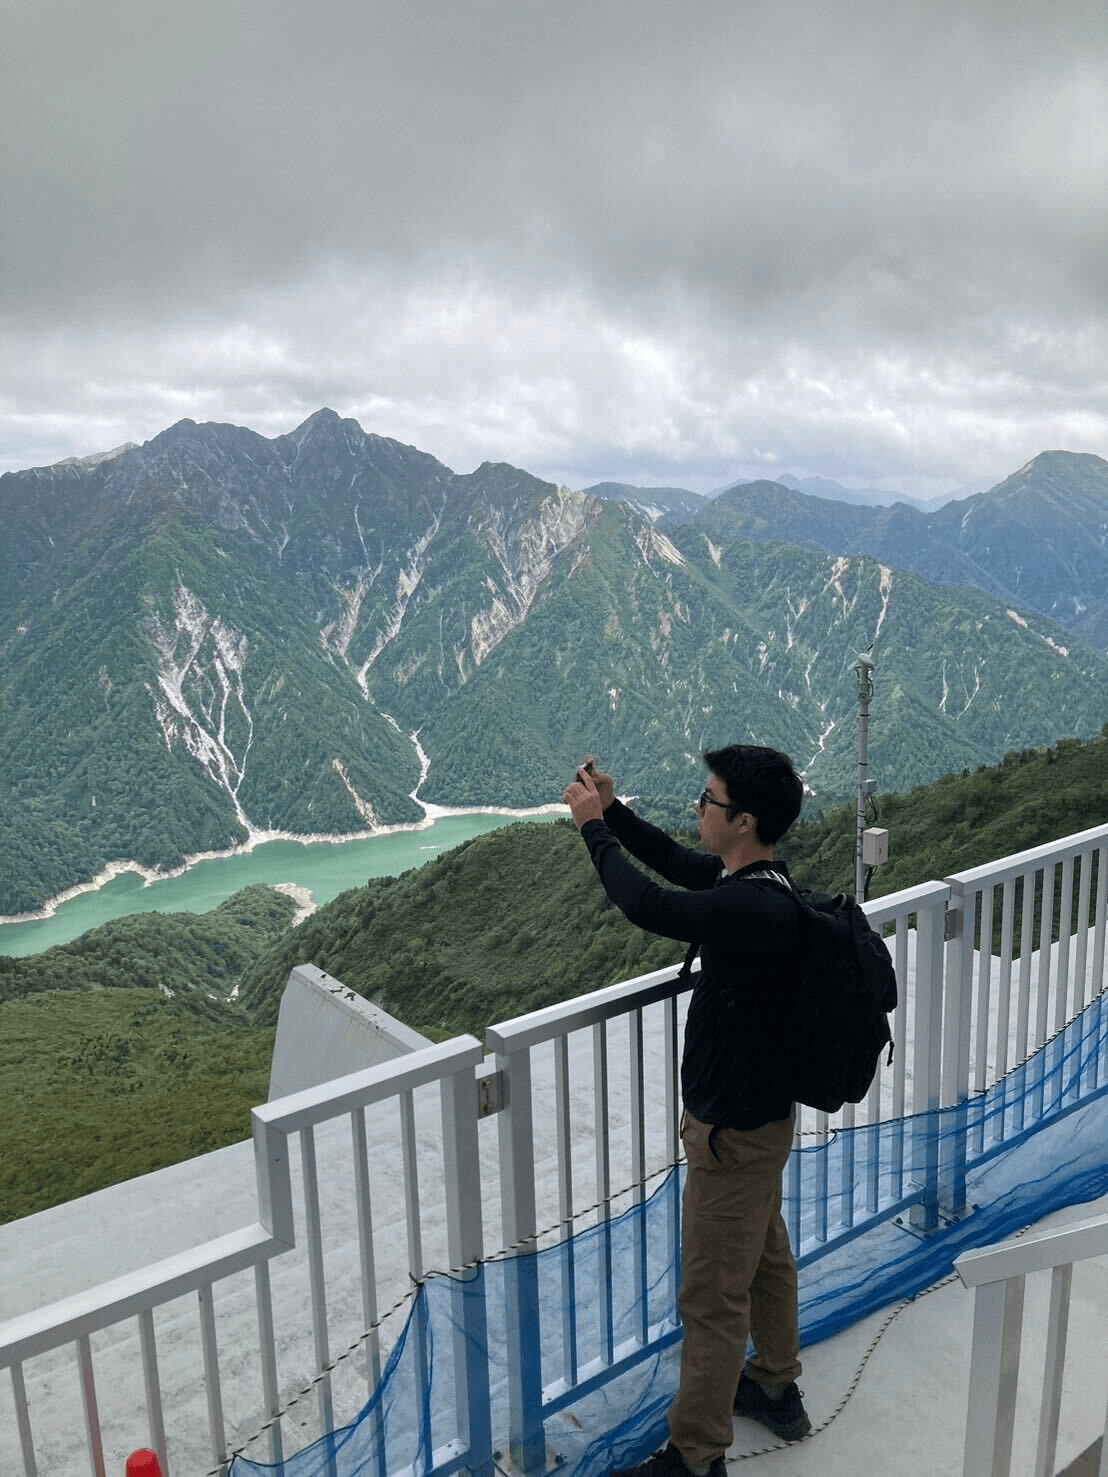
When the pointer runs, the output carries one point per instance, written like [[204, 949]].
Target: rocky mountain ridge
[[217, 636]]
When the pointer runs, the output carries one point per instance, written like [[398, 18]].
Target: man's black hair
[[761, 782]]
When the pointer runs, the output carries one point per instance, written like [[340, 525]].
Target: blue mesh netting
[[1031, 1144]]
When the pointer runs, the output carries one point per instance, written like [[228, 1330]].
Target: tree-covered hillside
[[126, 1050], [1033, 796], [500, 925], [194, 959], [112, 1084]]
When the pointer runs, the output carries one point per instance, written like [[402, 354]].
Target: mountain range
[[1038, 539], [217, 636], [680, 505]]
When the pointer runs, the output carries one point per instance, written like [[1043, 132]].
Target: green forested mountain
[[111, 1075], [126, 1049], [1031, 797], [216, 636]]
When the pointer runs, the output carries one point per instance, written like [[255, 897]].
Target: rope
[[871, 1349], [854, 1383], [605, 1203]]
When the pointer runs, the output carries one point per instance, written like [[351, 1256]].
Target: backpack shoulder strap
[[687, 964], [768, 874]]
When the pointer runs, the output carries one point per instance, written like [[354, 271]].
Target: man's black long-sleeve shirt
[[748, 936]]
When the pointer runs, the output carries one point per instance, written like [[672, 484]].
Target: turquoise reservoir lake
[[325, 868]]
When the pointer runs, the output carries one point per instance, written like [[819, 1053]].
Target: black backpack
[[846, 988], [838, 1018]]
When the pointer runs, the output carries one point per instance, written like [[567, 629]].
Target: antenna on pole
[[864, 672]]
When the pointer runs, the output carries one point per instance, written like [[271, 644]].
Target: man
[[738, 1277]]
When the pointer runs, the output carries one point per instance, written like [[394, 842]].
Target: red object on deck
[[143, 1463]]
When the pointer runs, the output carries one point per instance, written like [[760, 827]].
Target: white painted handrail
[[126, 1297], [997, 1273]]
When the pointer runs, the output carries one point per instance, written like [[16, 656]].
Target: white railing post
[[1061, 1286], [1065, 925], [148, 1346], [927, 1057], [465, 1249], [957, 1033], [23, 1422], [313, 1236], [1100, 1062], [603, 1156], [994, 1368], [564, 1138], [88, 1400], [216, 1424], [672, 1091], [997, 1274], [273, 1177], [527, 1438], [638, 1168], [267, 1353]]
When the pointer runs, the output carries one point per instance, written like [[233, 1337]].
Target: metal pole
[[864, 672]]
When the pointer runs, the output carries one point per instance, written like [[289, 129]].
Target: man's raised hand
[[583, 799], [605, 784]]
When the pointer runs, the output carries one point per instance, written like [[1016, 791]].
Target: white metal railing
[[73, 1322], [586, 1102], [278, 1127], [1003, 1007], [998, 1274]]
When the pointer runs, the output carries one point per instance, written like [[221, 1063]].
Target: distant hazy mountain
[[1038, 539], [676, 504], [216, 635], [874, 497], [967, 489], [863, 496], [1042, 536]]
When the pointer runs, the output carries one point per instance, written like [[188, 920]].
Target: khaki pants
[[738, 1278]]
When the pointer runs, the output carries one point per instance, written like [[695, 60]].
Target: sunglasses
[[707, 799]]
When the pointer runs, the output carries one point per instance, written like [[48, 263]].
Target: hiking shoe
[[669, 1463], [786, 1417]]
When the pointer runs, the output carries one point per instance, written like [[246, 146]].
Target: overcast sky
[[670, 242]]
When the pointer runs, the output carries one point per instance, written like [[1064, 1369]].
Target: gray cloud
[[687, 241]]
